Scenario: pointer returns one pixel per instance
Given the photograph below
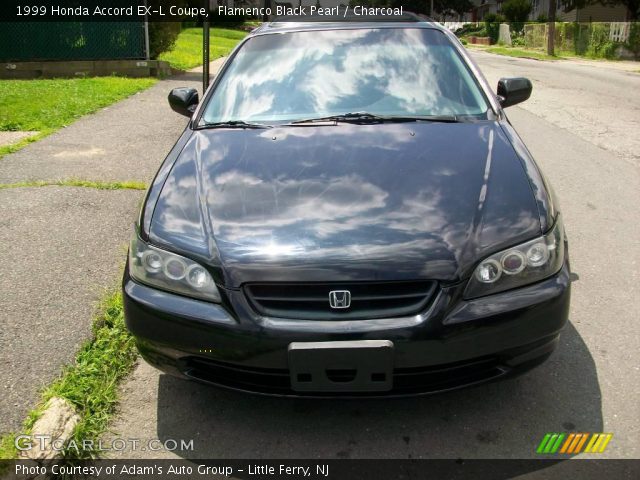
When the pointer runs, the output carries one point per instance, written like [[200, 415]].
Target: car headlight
[[519, 265], [168, 271]]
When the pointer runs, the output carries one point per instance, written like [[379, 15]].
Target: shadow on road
[[500, 420]]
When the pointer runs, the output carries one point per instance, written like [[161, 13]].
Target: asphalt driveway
[[60, 247]]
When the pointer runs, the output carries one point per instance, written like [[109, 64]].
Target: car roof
[[307, 23]]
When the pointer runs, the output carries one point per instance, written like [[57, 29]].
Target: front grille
[[406, 381], [369, 300]]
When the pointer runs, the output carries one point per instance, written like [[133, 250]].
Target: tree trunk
[[551, 28]]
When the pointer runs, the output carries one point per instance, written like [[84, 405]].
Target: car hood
[[345, 202]]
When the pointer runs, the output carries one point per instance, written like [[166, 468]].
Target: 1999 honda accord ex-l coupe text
[[348, 212]]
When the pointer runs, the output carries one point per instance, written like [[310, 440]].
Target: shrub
[[633, 43], [599, 44], [162, 36], [607, 50], [479, 33], [492, 23], [517, 41], [470, 29], [542, 18], [581, 38]]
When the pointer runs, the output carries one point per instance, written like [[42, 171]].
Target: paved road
[[593, 100], [591, 384]]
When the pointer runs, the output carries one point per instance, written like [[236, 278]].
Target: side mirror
[[183, 100], [513, 90]]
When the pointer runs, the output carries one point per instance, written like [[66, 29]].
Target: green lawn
[[520, 53], [47, 105], [187, 52]]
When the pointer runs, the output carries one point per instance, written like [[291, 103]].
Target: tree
[[451, 7], [517, 12], [551, 28]]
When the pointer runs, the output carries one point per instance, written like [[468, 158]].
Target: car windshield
[[408, 72]]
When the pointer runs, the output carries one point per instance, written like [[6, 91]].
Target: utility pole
[[267, 5], [431, 10], [551, 28], [205, 49], [146, 34]]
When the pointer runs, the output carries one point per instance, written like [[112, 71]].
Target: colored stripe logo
[[573, 443]]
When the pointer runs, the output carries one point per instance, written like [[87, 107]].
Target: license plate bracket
[[343, 366]]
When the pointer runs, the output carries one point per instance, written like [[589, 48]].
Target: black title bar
[[324, 469], [179, 10]]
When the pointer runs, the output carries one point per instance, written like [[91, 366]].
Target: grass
[[130, 185], [90, 384], [520, 53], [47, 105], [187, 52], [8, 450], [523, 52], [14, 147]]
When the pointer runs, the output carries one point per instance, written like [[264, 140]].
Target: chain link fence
[[579, 38], [38, 41]]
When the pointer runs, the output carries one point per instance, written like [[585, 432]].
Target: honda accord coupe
[[348, 213]]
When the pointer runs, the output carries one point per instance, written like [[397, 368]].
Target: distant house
[[590, 13], [483, 7]]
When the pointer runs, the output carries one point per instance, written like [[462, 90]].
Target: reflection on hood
[[368, 202]]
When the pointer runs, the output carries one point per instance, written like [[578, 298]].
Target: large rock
[[56, 424]]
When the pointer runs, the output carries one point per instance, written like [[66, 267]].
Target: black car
[[348, 213]]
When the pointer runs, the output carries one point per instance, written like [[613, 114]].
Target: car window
[[385, 71]]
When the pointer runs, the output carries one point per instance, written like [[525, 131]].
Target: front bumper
[[452, 344]]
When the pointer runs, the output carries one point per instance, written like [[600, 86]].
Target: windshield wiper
[[364, 117], [235, 124]]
